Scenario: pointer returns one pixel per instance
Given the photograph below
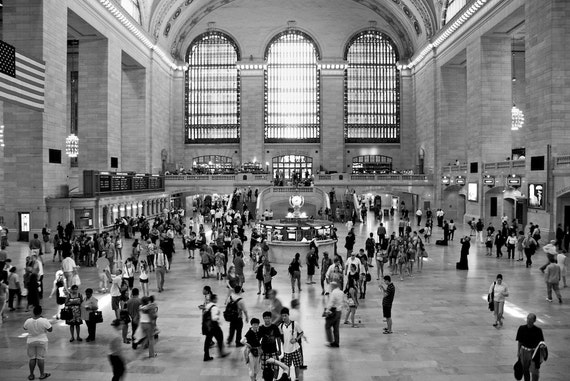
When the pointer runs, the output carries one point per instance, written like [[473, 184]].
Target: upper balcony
[[226, 183]]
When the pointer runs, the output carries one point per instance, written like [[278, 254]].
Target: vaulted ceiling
[[410, 22]]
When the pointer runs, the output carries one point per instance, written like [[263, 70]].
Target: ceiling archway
[[413, 21]]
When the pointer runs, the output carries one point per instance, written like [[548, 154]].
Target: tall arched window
[[212, 90], [292, 111], [133, 8], [372, 89], [451, 8]]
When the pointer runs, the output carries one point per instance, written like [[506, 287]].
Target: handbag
[[273, 272], [96, 317], [518, 370], [491, 298], [66, 314], [368, 277]]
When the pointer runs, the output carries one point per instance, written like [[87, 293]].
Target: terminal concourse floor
[[442, 328]]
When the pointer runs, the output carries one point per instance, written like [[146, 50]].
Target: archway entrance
[[286, 166]]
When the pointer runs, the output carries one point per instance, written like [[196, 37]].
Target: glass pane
[[372, 89], [212, 89], [292, 89]]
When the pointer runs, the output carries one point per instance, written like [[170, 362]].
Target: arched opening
[[372, 164], [212, 164], [287, 168]]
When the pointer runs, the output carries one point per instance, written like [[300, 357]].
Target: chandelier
[[72, 145], [517, 118]]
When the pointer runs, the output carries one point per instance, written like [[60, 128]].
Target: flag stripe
[[30, 61], [13, 85], [28, 88], [17, 98]]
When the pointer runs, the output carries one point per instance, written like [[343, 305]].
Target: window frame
[[377, 132], [208, 128], [312, 131]]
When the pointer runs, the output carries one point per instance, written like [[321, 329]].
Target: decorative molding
[[424, 13]]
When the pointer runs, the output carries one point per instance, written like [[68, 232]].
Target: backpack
[[207, 322], [231, 313]]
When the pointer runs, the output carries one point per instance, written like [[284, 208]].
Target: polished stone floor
[[442, 328]]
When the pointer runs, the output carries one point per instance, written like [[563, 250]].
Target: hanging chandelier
[[517, 118], [72, 145]]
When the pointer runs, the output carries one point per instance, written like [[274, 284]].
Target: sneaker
[[560, 300], [549, 300]]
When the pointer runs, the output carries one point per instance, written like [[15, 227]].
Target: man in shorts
[[37, 341], [389, 291], [291, 335]]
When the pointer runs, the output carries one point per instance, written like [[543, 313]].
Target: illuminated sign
[[460, 180]]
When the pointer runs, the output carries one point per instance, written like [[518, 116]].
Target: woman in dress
[[500, 291], [73, 302], [463, 263], [351, 295], [90, 304], [119, 249], [60, 290], [143, 278], [401, 260], [312, 261]]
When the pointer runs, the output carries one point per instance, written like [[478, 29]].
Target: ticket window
[[83, 219]]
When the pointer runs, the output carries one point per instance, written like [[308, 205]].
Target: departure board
[[96, 182]]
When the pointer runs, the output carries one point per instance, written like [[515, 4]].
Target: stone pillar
[[99, 121], [37, 29], [134, 129], [252, 123], [547, 72], [451, 123], [332, 120], [489, 99], [407, 127]]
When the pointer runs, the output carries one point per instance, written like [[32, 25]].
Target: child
[[489, 244]]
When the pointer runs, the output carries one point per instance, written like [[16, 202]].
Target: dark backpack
[[207, 322], [231, 313]]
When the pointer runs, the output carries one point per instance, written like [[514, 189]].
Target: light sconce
[[72, 145]]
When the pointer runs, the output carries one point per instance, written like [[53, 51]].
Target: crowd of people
[[272, 344]]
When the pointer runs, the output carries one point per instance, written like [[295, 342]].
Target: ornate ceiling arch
[[414, 21]]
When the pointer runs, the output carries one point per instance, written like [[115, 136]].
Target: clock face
[[296, 201]]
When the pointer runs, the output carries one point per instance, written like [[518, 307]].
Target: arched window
[[292, 76], [372, 89], [452, 7], [212, 164], [372, 164], [212, 90], [132, 7], [287, 165]]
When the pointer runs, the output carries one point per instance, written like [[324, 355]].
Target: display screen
[[95, 182], [536, 193], [473, 191]]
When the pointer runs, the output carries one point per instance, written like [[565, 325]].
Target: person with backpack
[[235, 310], [211, 328], [291, 336]]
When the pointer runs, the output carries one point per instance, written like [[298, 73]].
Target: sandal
[[44, 376]]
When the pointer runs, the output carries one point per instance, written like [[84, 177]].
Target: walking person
[[389, 291], [562, 260], [295, 272], [312, 262], [529, 337], [332, 314], [148, 315], [325, 265], [511, 245], [552, 279], [234, 314], [499, 291], [211, 328], [161, 265], [270, 343], [37, 342], [351, 295]]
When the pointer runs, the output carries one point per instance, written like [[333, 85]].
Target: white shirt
[[336, 300], [116, 285], [351, 261], [68, 265], [291, 331], [37, 329]]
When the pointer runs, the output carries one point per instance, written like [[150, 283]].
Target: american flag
[[22, 79]]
